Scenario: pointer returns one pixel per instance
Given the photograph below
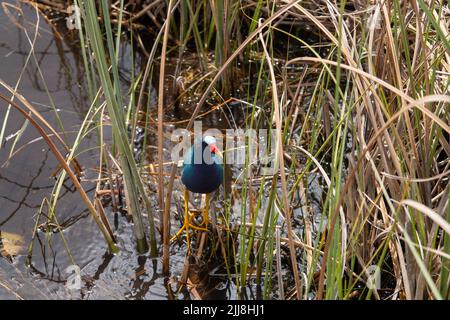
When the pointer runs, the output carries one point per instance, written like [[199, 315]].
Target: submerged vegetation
[[355, 98]]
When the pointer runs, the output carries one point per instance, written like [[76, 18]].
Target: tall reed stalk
[[114, 100]]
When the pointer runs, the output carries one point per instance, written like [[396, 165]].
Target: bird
[[202, 172]]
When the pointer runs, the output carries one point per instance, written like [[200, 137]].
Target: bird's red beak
[[213, 148]]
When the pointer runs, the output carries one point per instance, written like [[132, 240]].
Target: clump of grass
[[364, 129], [110, 85], [358, 98]]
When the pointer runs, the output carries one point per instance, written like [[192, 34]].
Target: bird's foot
[[186, 226]]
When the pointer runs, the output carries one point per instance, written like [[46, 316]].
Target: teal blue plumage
[[202, 170]]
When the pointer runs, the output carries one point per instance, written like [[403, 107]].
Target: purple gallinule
[[202, 172]]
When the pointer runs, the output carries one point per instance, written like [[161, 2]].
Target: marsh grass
[[358, 96]]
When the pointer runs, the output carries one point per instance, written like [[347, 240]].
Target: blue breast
[[204, 175]]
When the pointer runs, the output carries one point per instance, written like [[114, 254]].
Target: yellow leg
[[186, 219], [205, 211], [187, 222]]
